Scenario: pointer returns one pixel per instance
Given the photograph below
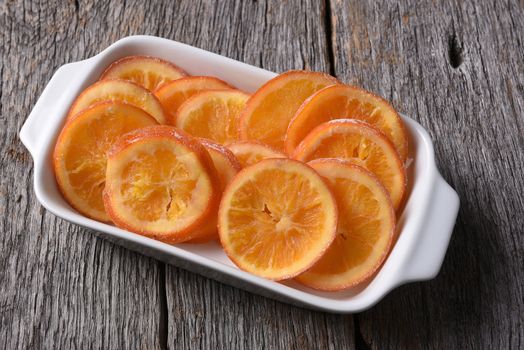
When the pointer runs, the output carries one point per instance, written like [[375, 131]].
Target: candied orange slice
[[271, 108], [277, 218], [122, 91], [212, 115], [146, 71], [171, 95], [160, 183], [361, 143], [227, 167], [365, 231], [226, 164], [251, 152], [344, 101], [80, 153]]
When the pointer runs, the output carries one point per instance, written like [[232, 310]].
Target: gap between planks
[[162, 288]]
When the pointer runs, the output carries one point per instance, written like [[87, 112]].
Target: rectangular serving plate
[[425, 225]]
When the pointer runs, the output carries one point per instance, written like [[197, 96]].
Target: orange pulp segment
[[251, 152], [227, 167], [171, 95], [212, 115], [80, 153], [271, 108], [365, 231], [122, 91], [361, 143], [277, 218], [148, 72], [161, 183], [351, 102]]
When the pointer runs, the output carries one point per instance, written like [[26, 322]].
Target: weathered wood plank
[[60, 287], [206, 314], [88, 311], [457, 68], [209, 315]]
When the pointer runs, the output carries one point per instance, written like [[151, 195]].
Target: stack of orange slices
[[302, 179]]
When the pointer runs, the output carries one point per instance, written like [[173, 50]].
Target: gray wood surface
[[458, 68], [208, 314], [60, 286]]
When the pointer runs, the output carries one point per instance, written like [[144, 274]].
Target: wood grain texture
[[206, 314], [80, 290], [456, 67], [60, 286]]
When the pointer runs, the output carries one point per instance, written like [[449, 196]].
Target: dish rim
[[390, 278]]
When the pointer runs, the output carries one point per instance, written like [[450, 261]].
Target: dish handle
[[429, 251], [32, 134]]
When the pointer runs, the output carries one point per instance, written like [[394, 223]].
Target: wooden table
[[456, 67]]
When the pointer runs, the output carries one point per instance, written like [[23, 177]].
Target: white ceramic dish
[[425, 224]]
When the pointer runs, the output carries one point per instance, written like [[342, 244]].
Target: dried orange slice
[[122, 91], [251, 152], [212, 115], [277, 218], [365, 231], [146, 71], [361, 143], [226, 164], [160, 183], [227, 167], [171, 95], [80, 153], [271, 108], [343, 101]]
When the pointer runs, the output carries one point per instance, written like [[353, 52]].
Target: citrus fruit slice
[[79, 157], [160, 183], [226, 164], [271, 108], [361, 143], [366, 227], [250, 152], [171, 95], [277, 218], [146, 71], [212, 115], [118, 90], [227, 167], [343, 101]]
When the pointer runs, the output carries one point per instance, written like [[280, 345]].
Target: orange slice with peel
[[271, 108], [277, 218], [227, 167], [365, 231], [251, 152], [351, 102], [212, 115], [360, 143], [226, 164], [160, 183], [121, 91], [171, 95], [146, 71], [79, 156]]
